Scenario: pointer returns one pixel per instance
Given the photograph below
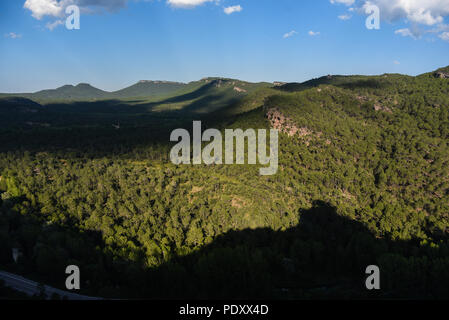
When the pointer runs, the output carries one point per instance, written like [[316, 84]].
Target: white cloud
[[13, 35], [186, 3], [439, 28], [290, 34], [41, 8], [419, 15], [56, 8], [426, 12], [344, 17], [312, 33], [396, 62], [346, 2], [52, 25], [444, 36], [425, 17], [232, 9], [406, 32]]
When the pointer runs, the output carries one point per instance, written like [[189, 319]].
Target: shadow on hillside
[[324, 257], [363, 84], [191, 95], [346, 82], [296, 86], [202, 100], [104, 128], [210, 104]]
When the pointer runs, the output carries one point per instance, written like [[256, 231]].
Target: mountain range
[[155, 89], [141, 89]]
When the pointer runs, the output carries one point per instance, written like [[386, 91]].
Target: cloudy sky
[[122, 41]]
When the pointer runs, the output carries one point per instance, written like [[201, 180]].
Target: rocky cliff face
[[441, 75], [286, 125], [281, 123]]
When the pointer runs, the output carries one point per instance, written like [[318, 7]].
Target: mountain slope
[[82, 91], [145, 88], [18, 103], [204, 96]]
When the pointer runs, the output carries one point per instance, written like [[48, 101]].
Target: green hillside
[[82, 91], [207, 95], [363, 179], [85, 92], [147, 91], [146, 88], [444, 70]]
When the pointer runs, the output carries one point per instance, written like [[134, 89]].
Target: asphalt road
[[30, 287]]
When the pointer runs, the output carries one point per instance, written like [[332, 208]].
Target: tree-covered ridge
[[364, 180], [142, 91], [161, 110], [402, 159]]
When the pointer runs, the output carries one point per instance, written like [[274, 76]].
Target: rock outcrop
[[282, 123], [239, 89], [286, 125], [441, 75], [378, 107]]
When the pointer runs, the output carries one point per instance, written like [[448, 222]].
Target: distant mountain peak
[[159, 82], [67, 86], [82, 84]]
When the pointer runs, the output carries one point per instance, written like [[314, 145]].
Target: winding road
[[31, 288]]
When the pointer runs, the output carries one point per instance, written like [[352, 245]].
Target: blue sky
[[121, 42]]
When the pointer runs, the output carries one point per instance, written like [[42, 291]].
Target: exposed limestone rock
[[196, 189], [283, 124], [239, 89], [345, 193], [378, 107], [238, 203], [362, 98], [441, 75], [287, 126]]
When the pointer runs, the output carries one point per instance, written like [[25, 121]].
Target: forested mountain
[[81, 91], [146, 90], [85, 92], [363, 179]]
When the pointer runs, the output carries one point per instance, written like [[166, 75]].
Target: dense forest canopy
[[363, 179]]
